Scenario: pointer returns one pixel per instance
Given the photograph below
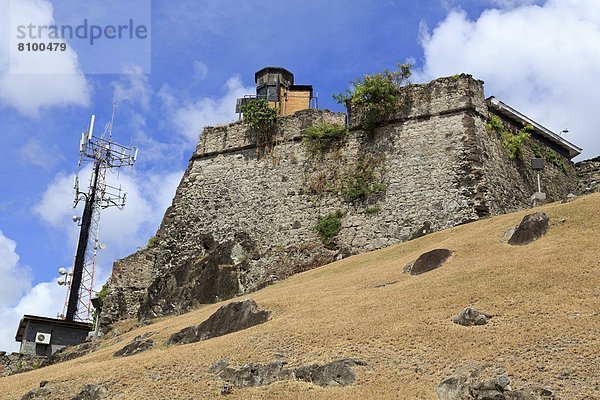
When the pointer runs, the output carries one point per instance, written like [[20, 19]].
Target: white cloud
[[15, 279], [515, 3], [18, 298], [200, 70], [190, 116], [39, 79], [543, 60], [148, 196], [133, 87], [45, 299], [44, 155]]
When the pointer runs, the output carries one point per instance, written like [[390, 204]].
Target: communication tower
[[105, 156]]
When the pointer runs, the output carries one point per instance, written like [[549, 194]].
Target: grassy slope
[[546, 298]]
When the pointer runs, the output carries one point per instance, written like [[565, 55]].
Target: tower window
[[268, 92]]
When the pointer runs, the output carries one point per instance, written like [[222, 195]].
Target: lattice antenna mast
[[104, 155]]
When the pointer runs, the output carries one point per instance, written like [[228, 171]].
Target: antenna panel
[[91, 131]]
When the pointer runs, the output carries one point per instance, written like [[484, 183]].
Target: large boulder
[[531, 228], [91, 392], [256, 374], [229, 318], [138, 345], [336, 373], [428, 261]]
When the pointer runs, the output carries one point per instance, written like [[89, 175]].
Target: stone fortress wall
[[239, 222]]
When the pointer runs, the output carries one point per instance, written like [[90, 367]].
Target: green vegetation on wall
[[375, 96], [550, 156], [364, 180], [328, 227], [152, 242], [360, 182], [512, 140], [262, 120], [323, 137]]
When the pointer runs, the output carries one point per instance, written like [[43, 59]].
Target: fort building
[[240, 220]]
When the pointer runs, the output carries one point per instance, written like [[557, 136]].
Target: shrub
[[328, 227], [262, 120], [375, 96], [324, 136]]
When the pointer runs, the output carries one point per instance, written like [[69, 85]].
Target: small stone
[[226, 389], [471, 316], [502, 382]]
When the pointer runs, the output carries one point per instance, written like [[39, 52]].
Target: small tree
[[375, 96], [262, 120]]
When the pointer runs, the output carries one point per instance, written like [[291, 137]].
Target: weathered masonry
[[239, 222]]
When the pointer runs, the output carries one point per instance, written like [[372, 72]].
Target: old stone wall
[[16, 363], [239, 221], [588, 174], [510, 183], [128, 283]]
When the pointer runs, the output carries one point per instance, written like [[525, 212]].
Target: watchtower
[[276, 85]]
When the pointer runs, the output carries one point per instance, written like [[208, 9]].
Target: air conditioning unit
[[42, 338]]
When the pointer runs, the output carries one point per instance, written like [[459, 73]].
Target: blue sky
[[542, 57]]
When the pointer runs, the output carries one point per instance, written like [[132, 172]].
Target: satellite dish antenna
[[62, 271], [102, 246], [61, 281]]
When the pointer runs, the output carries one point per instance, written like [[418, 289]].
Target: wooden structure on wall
[[276, 85]]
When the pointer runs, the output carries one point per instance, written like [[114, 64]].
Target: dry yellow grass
[[545, 298]]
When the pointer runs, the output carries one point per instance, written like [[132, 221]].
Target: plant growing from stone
[[328, 227], [364, 180], [153, 241], [550, 156], [374, 97], [322, 137], [262, 120], [512, 140]]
